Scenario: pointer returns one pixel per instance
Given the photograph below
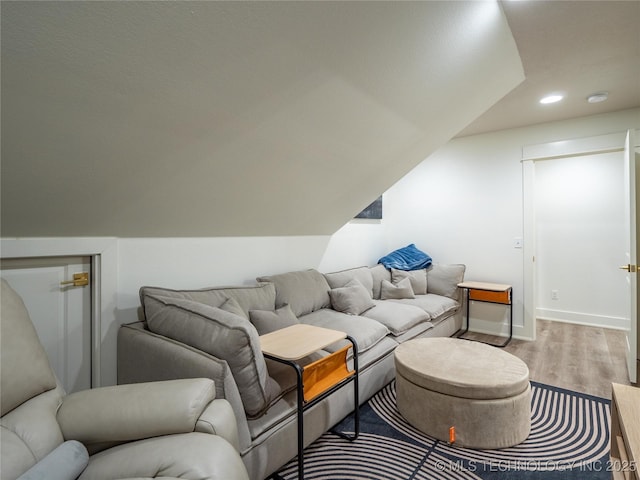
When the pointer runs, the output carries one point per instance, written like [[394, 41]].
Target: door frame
[[613, 142], [104, 261]]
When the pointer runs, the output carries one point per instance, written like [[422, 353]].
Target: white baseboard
[[580, 318]]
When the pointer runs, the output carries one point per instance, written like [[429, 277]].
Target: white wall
[[201, 262], [465, 204], [359, 242], [580, 225]]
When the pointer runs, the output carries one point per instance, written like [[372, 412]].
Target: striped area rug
[[569, 439]]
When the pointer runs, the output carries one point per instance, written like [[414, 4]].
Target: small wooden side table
[[322, 377], [491, 293]]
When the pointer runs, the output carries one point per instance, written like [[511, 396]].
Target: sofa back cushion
[[378, 274], [222, 334], [361, 274], [443, 279], [418, 279], [305, 291], [250, 297]]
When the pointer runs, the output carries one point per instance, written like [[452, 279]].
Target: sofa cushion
[[418, 279], [341, 278], [222, 334], [397, 317], [444, 279], [378, 274], [305, 291], [250, 297], [267, 321], [365, 331], [423, 329], [435, 305], [352, 299], [401, 290]]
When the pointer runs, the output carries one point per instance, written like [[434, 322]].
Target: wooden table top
[[492, 287], [297, 341]]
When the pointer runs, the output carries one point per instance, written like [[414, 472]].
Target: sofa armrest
[[144, 356], [218, 419], [133, 412]]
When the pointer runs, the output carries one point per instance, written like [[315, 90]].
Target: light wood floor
[[584, 359]]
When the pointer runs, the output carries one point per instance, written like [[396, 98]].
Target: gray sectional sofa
[[214, 333]]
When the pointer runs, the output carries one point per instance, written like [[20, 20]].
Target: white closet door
[[60, 313]]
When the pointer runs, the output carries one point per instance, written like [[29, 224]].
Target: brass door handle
[[629, 268], [79, 280]]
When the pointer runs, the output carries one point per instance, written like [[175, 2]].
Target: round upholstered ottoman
[[480, 390]]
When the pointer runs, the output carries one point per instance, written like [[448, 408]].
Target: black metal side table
[[491, 293], [319, 379]]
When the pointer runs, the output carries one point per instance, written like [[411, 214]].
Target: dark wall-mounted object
[[373, 211]]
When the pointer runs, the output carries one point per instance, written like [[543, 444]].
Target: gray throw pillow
[[224, 335], [267, 321], [352, 299], [396, 292], [418, 279]]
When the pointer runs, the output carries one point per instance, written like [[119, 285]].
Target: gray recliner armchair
[[173, 429]]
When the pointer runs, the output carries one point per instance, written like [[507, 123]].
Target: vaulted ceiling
[[160, 119]]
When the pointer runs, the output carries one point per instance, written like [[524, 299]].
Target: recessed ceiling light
[[551, 99], [598, 97]]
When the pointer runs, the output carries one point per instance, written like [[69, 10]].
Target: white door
[[61, 313], [631, 265]]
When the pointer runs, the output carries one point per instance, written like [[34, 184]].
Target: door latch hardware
[[629, 268], [79, 280]]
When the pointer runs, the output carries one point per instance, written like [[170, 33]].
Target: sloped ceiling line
[[154, 119]]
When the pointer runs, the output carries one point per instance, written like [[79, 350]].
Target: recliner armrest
[[133, 412], [218, 419]]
